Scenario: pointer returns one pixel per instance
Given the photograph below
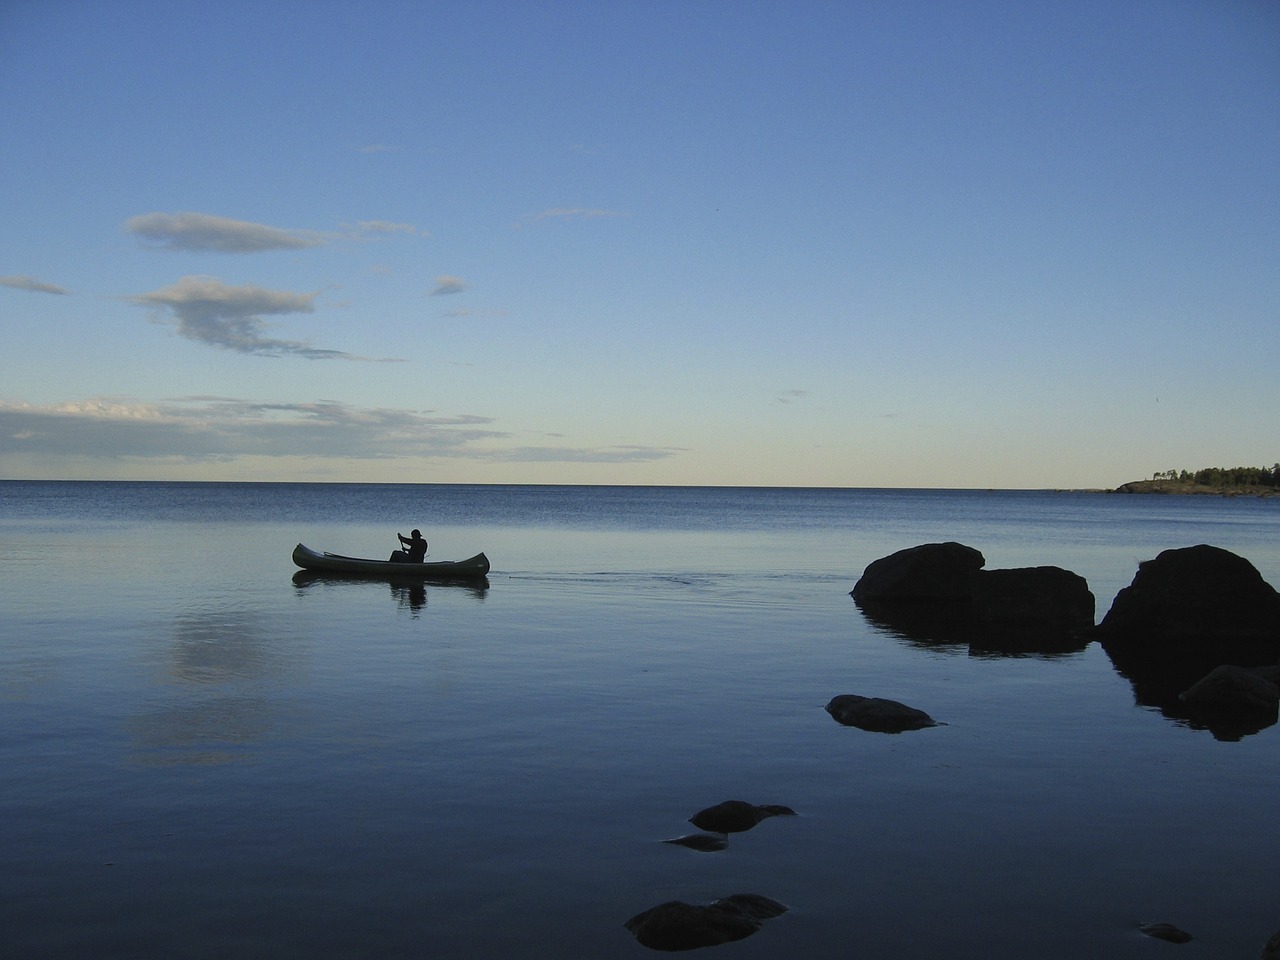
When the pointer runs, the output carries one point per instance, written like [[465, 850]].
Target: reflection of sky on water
[[347, 775], [222, 647], [203, 730], [213, 694]]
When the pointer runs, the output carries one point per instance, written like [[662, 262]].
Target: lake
[[203, 757]]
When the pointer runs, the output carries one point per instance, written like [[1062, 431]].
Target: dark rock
[[1234, 689], [1200, 596], [1165, 931], [677, 925], [877, 714], [1048, 596], [1186, 612], [703, 842], [1234, 701], [735, 816], [931, 571], [1272, 949], [938, 593], [682, 926]]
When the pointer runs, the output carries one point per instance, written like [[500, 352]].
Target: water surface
[[203, 757]]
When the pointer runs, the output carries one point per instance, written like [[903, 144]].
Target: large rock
[[938, 593], [931, 571], [1202, 596], [1040, 595], [1186, 612]]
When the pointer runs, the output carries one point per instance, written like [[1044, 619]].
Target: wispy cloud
[[462, 313], [617, 454], [366, 229], [206, 232], [217, 314], [32, 284], [570, 213], [379, 148], [202, 428], [203, 231], [446, 285], [791, 396]]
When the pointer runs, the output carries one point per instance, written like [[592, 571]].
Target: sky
[[800, 243]]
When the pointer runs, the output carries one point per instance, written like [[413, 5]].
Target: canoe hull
[[474, 568]]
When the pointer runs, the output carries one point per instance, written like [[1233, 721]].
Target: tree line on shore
[[1224, 476]]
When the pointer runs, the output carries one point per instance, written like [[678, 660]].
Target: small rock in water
[[1272, 950], [703, 842], [684, 926], [877, 714], [735, 816], [1165, 931]]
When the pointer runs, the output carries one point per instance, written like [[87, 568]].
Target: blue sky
[[923, 244]]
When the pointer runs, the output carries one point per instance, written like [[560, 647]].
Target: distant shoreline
[[1181, 488]]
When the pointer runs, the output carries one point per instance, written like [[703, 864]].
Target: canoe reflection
[[410, 593]]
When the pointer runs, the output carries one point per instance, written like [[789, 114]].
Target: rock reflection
[[1160, 683], [941, 625]]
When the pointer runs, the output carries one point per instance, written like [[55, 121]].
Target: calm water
[[201, 758]]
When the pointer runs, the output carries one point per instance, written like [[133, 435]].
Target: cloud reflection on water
[[211, 699]]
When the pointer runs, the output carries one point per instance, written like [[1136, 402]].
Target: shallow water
[[203, 758]]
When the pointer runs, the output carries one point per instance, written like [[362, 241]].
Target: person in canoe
[[413, 548]]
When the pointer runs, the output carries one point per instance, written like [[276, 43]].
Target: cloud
[[622, 454], [446, 285], [791, 396], [379, 148], [202, 231], [32, 284], [570, 213], [211, 312], [378, 228], [462, 313], [203, 428]]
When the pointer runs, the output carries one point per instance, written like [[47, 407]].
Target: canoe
[[474, 568]]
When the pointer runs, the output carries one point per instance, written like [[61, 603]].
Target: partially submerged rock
[[1165, 931], [1234, 701], [1203, 597], [930, 572], [877, 714], [677, 925], [735, 816], [1188, 611], [939, 593], [1048, 596]]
